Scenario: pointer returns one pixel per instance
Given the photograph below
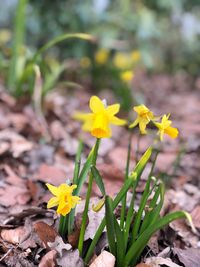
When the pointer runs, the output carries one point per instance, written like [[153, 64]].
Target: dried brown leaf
[[105, 259], [49, 259], [45, 232]]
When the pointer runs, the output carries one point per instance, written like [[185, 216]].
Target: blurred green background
[[155, 35]]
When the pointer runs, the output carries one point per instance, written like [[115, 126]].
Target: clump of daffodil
[[165, 127], [98, 122], [145, 115], [127, 75], [85, 62], [101, 56], [63, 198]]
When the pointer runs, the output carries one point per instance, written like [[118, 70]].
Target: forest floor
[[36, 148]]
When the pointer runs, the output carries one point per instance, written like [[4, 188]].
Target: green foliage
[[128, 241]]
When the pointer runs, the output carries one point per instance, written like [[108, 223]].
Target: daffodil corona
[[63, 198], [144, 117], [98, 122], [165, 127]]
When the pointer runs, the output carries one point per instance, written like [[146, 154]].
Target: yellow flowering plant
[[128, 236]]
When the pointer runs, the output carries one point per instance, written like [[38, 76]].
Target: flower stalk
[[88, 195]]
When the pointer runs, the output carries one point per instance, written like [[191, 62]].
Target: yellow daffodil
[[63, 198], [135, 56], [165, 127], [144, 117], [122, 61], [127, 75], [98, 122], [85, 62], [101, 56]]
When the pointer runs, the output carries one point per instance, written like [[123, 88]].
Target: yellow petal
[[141, 109], [53, 189], [75, 200], [100, 126], [142, 126], [113, 109], [63, 208], [52, 202], [82, 116], [116, 121], [172, 132], [87, 126], [135, 123], [96, 105]]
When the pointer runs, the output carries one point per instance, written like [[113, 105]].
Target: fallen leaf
[[105, 259], [159, 261], [13, 236], [49, 259], [59, 245], [196, 216], [70, 259], [188, 257], [51, 174], [45, 232], [18, 144]]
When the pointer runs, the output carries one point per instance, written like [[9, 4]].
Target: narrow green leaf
[[120, 245], [143, 202], [98, 179], [110, 225], [123, 210], [138, 246], [77, 162], [84, 172], [18, 42], [127, 185], [149, 214], [62, 38], [141, 164]]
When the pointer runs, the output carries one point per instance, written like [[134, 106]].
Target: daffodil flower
[[98, 122], [63, 198], [127, 75], [144, 117], [101, 56], [165, 127]]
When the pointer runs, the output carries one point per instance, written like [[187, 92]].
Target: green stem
[[63, 226], [123, 210], [137, 149], [85, 212]]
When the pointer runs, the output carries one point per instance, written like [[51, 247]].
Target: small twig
[[5, 255]]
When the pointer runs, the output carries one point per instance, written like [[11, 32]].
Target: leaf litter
[[28, 234]]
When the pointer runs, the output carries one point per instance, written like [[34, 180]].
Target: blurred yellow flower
[[144, 117], [101, 56], [135, 56], [127, 75], [63, 198], [5, 36], [98, 122], [165, 127], [85, 62], [122, 61]]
